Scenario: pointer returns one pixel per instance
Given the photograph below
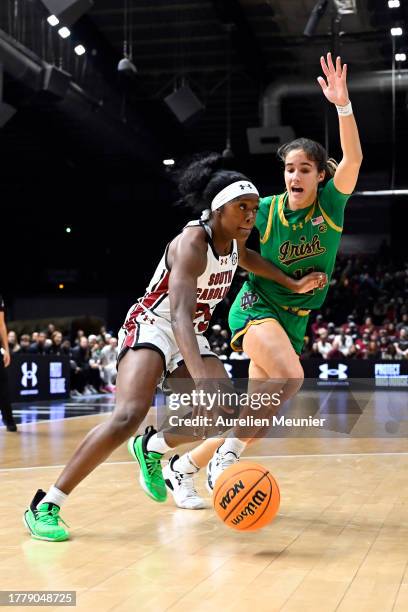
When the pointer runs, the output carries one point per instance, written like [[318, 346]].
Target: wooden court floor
[[339, 543]]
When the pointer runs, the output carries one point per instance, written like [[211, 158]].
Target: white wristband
[[345, 111]]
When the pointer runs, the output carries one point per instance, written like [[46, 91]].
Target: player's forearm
[[3, 336], [253, 262], [350, 140], [186, 340]]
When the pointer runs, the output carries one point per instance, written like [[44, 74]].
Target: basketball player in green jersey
[[300, 232]]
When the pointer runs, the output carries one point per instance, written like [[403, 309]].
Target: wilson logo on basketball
[[231, 493], [250, 509]]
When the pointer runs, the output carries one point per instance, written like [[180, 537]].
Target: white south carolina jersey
[[212, 287]]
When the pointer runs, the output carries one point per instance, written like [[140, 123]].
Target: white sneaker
[[181, 486], [220, 461]]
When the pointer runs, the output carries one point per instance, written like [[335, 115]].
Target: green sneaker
[[44, 521], [151, 477]]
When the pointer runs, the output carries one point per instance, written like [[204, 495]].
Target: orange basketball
[[246, 496]]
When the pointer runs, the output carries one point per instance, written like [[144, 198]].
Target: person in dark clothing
[[85, 376], [5, 404], [57, 347], [39, 347]]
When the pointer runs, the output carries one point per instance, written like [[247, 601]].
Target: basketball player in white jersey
[[163, 332]]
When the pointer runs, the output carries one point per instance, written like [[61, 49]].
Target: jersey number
[[202, 310]]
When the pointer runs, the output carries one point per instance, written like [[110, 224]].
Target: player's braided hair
[[201, 180], [314, 151]]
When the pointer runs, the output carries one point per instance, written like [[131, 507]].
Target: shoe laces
[[187, 486], [50, 517], [154, 467], [227, 459]]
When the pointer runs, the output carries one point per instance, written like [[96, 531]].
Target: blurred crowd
[[365, 316], [92, 358]]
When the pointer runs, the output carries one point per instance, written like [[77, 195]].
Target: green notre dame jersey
[[299, 242]]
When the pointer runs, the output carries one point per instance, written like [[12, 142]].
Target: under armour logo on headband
[[232, 191]]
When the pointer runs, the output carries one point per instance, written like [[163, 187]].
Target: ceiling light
[[80, 50], [53, 20], [64, 32]]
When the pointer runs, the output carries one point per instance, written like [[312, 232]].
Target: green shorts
[[249, 308]]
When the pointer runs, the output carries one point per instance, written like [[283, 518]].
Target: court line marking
[[48, 467]]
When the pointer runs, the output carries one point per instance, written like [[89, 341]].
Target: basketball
[[246, 496]]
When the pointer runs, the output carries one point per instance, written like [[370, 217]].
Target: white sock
[[233, 445], [55, 496], [157, 444], [185, 465]]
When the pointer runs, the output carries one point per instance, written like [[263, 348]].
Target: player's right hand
[[314, 280]]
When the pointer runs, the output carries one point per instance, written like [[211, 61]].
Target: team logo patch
[[234, 259], [248, 300], [322, 228]]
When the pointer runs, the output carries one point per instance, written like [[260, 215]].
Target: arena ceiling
[[90, 155], [256, 42]]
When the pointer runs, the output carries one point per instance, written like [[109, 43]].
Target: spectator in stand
[[56, 347], [350, 321], [85, 375], [109, 356], [66, 345], [372, 350], [34, 337], [25, 343], [352, 330], [331, 332], [361, 345], [318, 324], [80, 334], [39, 347], [384, 346], [401, 345], [323, 346], [50, 330], [391, 353], [403, 323], [391, 332], [13, 344], [368, 327], [344, 344]]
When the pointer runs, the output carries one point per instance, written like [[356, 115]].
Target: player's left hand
[[335, 89]]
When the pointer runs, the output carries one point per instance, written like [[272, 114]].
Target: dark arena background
[[97, 113]]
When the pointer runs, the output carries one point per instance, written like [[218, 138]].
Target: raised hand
[[335, 89]]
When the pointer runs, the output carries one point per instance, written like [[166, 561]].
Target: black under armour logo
[[248, 186]]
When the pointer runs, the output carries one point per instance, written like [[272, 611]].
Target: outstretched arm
[[253, 262], [335, 90]]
